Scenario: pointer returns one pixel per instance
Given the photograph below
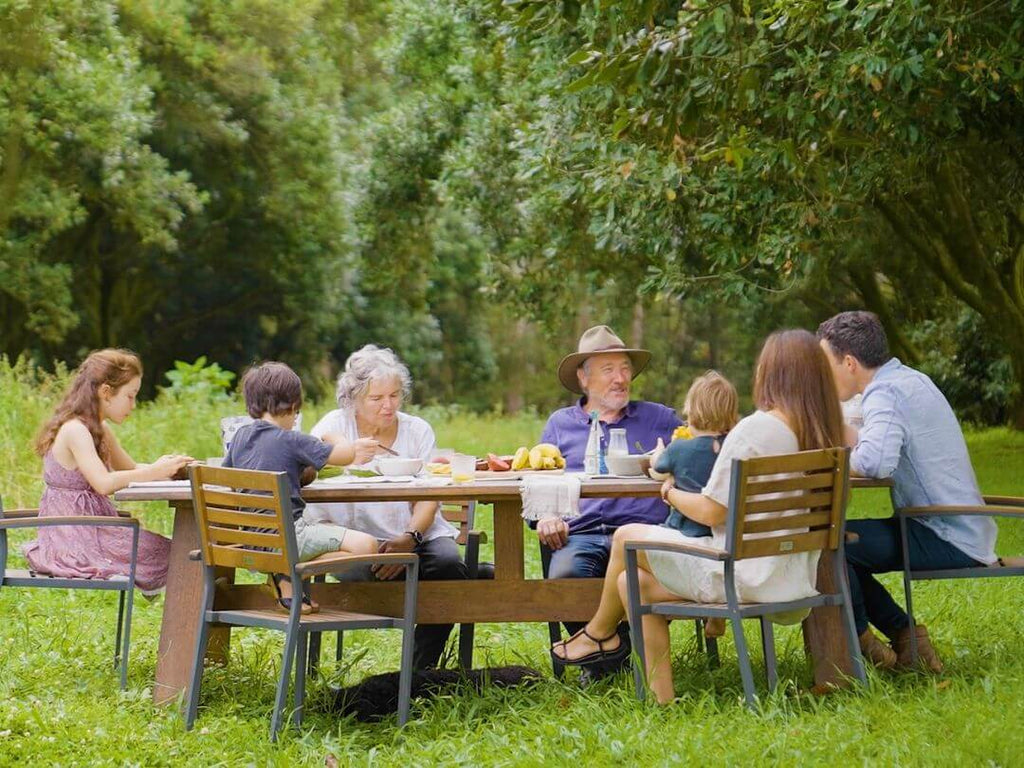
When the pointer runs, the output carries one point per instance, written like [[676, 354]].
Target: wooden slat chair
[[245, 521], [995, 506], [29, 518], [463, 515], [811, 517]]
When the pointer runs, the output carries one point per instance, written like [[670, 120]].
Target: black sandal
[[600, 655], [286, 602]]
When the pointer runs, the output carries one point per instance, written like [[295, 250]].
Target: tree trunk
[[636, 332]]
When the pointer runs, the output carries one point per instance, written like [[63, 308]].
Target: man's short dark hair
[[272, 388], [859, 334]]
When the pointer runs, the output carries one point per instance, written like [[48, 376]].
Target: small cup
[[463, 468]]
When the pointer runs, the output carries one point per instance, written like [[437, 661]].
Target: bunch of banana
[[541, 456]]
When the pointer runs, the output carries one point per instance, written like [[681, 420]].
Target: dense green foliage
[[60, 703], [473, 182]]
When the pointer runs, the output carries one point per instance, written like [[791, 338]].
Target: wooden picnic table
[[510, 597]]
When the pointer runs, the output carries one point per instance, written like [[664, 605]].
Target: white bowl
[[398, 465], [627, 466]]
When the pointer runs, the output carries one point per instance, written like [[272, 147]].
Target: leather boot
[[714, 627], [875, 651], [927, 658]]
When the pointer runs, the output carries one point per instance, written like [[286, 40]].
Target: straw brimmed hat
[[596, 341]]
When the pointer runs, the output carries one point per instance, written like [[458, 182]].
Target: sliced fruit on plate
[[497, 463]]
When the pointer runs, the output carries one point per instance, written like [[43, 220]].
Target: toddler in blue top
[[711, 407]]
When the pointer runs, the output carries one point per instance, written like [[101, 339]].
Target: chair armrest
[[1005, 501], [83, 520], [11, 514], [708, 553], [986, 510], [344, 562]]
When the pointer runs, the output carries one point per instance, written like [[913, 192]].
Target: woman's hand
[[667, 486], [169, 465], [365, 449]]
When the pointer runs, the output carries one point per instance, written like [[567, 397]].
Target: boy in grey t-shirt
[[273, 397]]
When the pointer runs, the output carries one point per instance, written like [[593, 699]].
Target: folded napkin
[[547, 496]]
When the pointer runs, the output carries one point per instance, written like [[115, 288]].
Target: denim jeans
[[878, 551], [584, 556]]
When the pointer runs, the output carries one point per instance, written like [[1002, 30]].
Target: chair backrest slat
[[805, 506], [260, 520], [805, 461], [237, 557], [780, 504], [223, 498], [786, 545], [808, 520], [229, 477], [250, 538], [816, 481], [244, 518]]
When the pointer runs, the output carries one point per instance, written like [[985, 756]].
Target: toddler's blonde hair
[[711, 404]]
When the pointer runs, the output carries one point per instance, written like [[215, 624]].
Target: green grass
[[60, 704]]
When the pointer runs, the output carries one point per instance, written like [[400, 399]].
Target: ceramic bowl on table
[[398, 465], [627, 466]]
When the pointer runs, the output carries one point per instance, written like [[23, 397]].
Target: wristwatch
[[416, 536]]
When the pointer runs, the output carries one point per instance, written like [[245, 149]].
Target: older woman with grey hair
[[370, 393]]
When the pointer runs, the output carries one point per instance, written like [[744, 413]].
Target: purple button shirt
[[569, 428]]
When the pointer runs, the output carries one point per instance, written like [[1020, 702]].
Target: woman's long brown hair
[[793, 376], [115, 367]]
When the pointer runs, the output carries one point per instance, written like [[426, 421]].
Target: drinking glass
[[617, 445], [463, 468]]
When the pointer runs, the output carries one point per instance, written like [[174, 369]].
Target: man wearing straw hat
[[601, 371]]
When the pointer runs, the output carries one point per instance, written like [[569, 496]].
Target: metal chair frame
[[995, 506], [235, 536], [828, 489], [29, 518]]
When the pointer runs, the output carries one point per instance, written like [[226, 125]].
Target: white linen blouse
[[381, 519], [775, 578]]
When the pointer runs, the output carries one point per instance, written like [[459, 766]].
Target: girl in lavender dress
[[83, 464]]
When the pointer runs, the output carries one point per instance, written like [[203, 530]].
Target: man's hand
[[553, 533], [403, 543], [308, 476]]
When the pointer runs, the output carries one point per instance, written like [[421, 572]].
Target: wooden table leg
[[508, 540], [824, 638], [181, 611]]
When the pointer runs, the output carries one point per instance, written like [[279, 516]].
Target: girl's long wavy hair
[[793, 376], [114, 367]]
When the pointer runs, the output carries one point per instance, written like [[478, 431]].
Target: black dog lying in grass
[[376, 697]]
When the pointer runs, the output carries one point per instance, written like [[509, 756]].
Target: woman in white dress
[[370, 393], [797, 410]]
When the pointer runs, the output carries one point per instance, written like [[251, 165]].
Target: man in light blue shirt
[[910, 434]]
